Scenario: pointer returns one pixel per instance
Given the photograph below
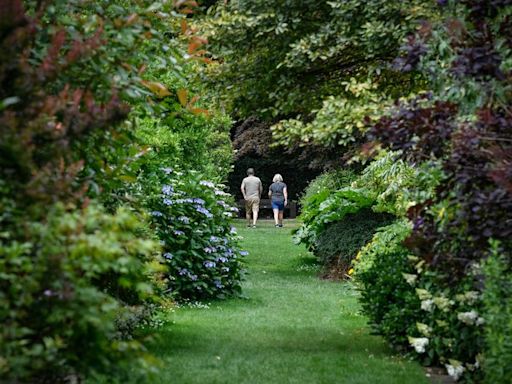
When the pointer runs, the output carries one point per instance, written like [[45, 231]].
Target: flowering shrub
[[200, 250], [408, 305]]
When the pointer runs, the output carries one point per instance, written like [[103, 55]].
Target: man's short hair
[[250, 172]]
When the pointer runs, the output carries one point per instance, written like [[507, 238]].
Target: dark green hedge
[[338, 245]]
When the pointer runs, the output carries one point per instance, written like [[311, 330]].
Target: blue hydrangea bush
[[192, 218]]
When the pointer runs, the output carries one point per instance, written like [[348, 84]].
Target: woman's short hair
[[277, 177]]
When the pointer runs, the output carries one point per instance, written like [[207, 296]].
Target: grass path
[[292, 328]]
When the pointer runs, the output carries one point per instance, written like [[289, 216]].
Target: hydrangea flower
[[177, 232], [167, 202], [442, 303], [192, 277], [233, 231], [220, 193], [199, 201], [244, 253], [209, 249], [214, 239], [225, 269], [207, 183], [424, 329], [468, 318], [419, 343], [209, 264], [184, 219], [167, 171], [455, 369], [204, 211], [218, 284], [427, 305], [168, 255], [167, 190], [156, 213], [221, 259], [410, 278], [183, 271]]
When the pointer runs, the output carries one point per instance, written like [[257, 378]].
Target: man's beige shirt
[[252, 186]]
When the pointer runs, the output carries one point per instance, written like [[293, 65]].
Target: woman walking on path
[[279, 198]]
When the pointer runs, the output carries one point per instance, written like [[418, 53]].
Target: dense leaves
[[200, 251]]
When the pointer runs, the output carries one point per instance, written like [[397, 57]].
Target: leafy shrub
[[334, 208], [56, 323], [339, 243], [200, 250], [387, 299], [498, 318], [318, 190], [408, 304]]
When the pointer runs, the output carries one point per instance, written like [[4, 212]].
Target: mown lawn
[[291, 328]]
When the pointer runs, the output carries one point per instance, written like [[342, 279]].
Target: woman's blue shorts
[[278, 205]]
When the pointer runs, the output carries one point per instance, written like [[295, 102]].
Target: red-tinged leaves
[[184, 26], [157, 88], [199, 39], [193, 100], [142, 69], [182, 96], [193, 46], [199, 111]]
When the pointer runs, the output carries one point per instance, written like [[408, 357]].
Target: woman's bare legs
[[276, 215], [280, 217]]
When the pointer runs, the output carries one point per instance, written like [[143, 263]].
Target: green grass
[[291, 328]]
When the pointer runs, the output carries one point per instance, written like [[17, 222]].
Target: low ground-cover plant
[[200, 247]]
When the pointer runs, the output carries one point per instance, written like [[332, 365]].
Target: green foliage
[[387, 299], [192, 219], [334, 208], [324, 184], [56, 321], [75, 280], [396, 185], [498, 317], [339, 243], [408, 305], [276, 53]]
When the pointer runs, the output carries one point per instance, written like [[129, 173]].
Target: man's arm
[[260, 188], [285, 193], [242, 188]]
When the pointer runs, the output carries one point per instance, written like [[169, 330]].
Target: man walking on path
[[251, 190]]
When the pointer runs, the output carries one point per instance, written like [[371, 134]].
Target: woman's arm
[[285, 193]]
